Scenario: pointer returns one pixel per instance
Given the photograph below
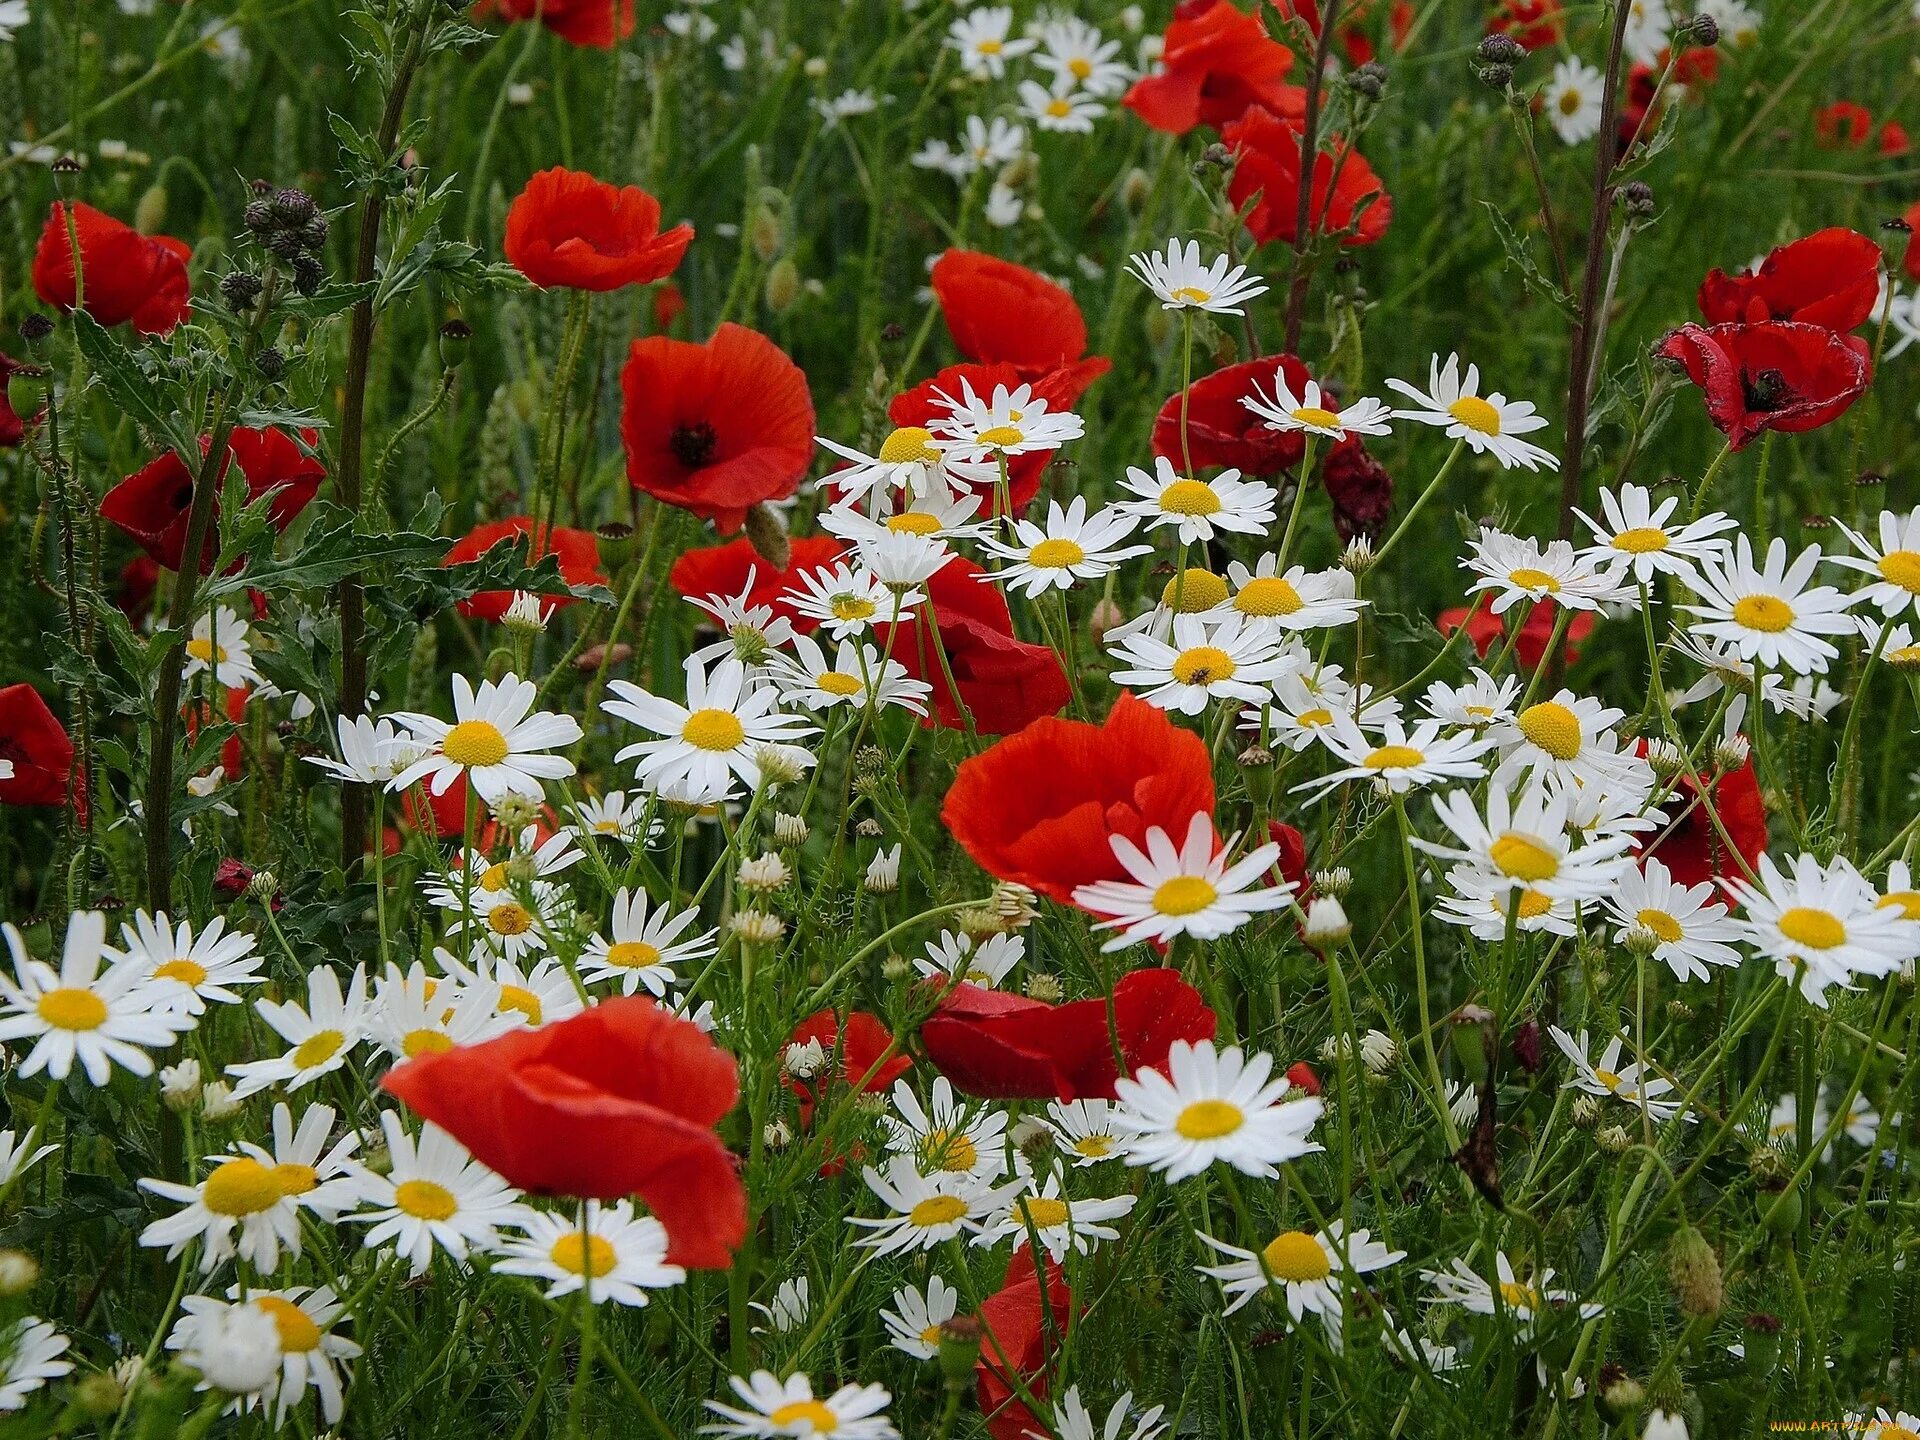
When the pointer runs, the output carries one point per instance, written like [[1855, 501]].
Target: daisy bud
[[757, 927], [19, 1272], [1621, 1396], [1335, 881], [1357, 558], [236, 1349], [790, 830], [99, 1395], [1045, 988], [180, 1084], [1015, 903], [1105, 615], [1327, 924], [895, 967], [1666, 758], [1731, 753], [883, 872], [1614, 1140], [803, 1061], [869, 829], [1332, 1048], [1378, 1052], [1641, 942], [1679, 1010], [783, 285], [1135, 190], [767, 529], [816, 67], [980, 922], [524, 615], [1586, 1111], [1031, 1137], [514, 811], [777, 1135], [764, 873], [781, 764], [1694, 1272], [217, 1101], [1254, 757], [870, 1104], [959, 1348]]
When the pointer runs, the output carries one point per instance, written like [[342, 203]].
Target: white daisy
[[1085, 1129], [749, 632], [1609, 1075], [434, 1196], [311, 1355], [857, 676], [1521, 845], [219, 645], [371, 750], [617, 1256], [1526, 1301], [1182, 281], [1490, 424], [1062, 1222], [81, 1013], [1302, 707], [1687, 923], [1217, 1105], [416, 1014], [716, 735], [644, 949], [1198, 509], [1649, 28], [1824, 923], [988, 144], [789, 1407], [1069, 548], [913, 1324], [30, 1356], [1569, 739], [496, 741], [533, 995], [322, 1034], [1192, 890], [927, 1209], [1218, 656], [1894, 562], [1574, 95], [188, 972], [946, 1137], [1487, 905], [1769, 614], [1634, 538], [1073, 53], [958, 958], [847, 599], [1309, 412], [901, 559], [1298, 599], [1402, 758], [612, 816], [1010, 422], [1310, 1271], [1514, 568], [1060, 110], [1073, 1421], [241, 1208], [788, 1312], [984, 39], [1481, 702], [16, 1159], [937, 512]]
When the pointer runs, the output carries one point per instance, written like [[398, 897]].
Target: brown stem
[[1309, 155]]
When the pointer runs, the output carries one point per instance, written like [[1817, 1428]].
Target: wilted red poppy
[[1000, 312], [856, 1052], [1691, 847], [37, 747], [1061, 389], [1359, 487], [593, 23], [723, 570], [1015, 1342], [1038, 807], [577, 550], [1216, 62], [715, 428], [1488, 633], [569, 230], [1774, 375], [1829, 278], [1843, 125], [1222, 432], [128, 276], [1530, 24], [152, 504], [1348, 199], [619, 1100], [1000, 1046], [1004, 682]]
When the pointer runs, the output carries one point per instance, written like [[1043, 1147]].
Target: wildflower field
[[903, 718]]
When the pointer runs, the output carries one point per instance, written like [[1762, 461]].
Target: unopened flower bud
[[804, 1060], [1636, 198], [895, 967], [781, 764], [1327, 924], [1666, 758], [263, 886], [1706, 30], [959, 1348], [868, 828], [1621, 1396], [217, 1101], [1614, 1140], [1731, 752], [35, 329], [1500, 49], [1768, 1167], [764, 873], [180, 1084], [27, 390], [783, 285], [1378, 1051], [1046, 988], [777, 1135], [1357, 558], [763, 232], [150, 214], [883, 872], [525, 614], [514, 812], [1015, 903], [1641, 941], [19, 1272], [790, 829], [757, 927], [1586, 1111], [1495, 77], [1694, 1272]]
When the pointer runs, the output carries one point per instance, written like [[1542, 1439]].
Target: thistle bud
[[1694, 1272], [293, 207], [1636, 198], [1706, 30], [259, 216], [1500, 50], [271, 363], [1369, 81]]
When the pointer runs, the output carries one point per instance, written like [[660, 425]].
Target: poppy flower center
[[1043, 1211], [425, 1042], [577, 1254], [1394, 757], [1094, 1147], [1661, 924], [937, 1210], [189, 973], [837, 682], [693, 445], [1056, 554], [1268, 595], [206, 652], [914, 522], [1553, 727], [1189, 497], [241, 1187], [1902, 567], [1570, 101], [425, 1200], [1766, 390], [1315, 718], [852, 607], [1184, 895], [947, 1151], [818, 1418], [1642, 540], [1766, 613], [298, 1334], [1203, 665], [294, 1178], [72, 1008], [1518, 1296], [1906, 901], [1476, 414], [511, 918], [475, 744], [1296, 1256], [713, 730], [910, 444], [1317, 415], [632, 955], [317, 1049], [1209, 1119], [1002, 437], [1191, 294], [1528, 578], [1815, 929], [1524, 858], [1196, 590]]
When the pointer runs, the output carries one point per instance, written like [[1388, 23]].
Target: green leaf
[[1520, 256], [133, 390]]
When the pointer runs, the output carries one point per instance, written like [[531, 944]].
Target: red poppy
[[1015, 1341], [128, 276], [1000, 312], [1845, 124], [1216, 62], [1348, 198], [578, 552], [1697, 67], [1221, 431], [1359, 487], [1829, 278], [1774, 375], [1489, 632], [715, 428], [857, 1052], [619, 1100], [569, 230], [1004, 682], [1910, 262], [1894, 141], [593, 23], [1061, 389], [1000, 1046], [1039, 807], [151, 505], [1530, 24], [1291, 864], [669, 304], [233, 754], [1301, 1074], [1691, 847], [724, 569], [37, 747]]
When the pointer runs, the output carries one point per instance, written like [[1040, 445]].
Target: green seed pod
[[763, 230], [27, 391]]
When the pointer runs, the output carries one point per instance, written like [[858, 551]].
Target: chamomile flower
[[1822, 923], [1899, 894], [1198, 510], [913, 1324], [1298, 599], [82, 1014], [321, 1034], [1513, 568], [1490, 424], [983, 36], [1062, 1222], [1573, 99], [415, 1014], [937, 513], [1302, 707], [1569, 739], [243, 1207], [1487, 905], [788, 1311], [987, 144], [1194, 889], [189, 972], [1521, 844], [1768, 613], [1007, 423], [1725, 669], [371, 750], [497, 741], [857, 676], [1689, 926], [219, 646], [1401, 759], [435, 1196], [1060, 110], [901, 559], [1309, 413], [1219, 656], [30, 1356], [847, 599], [958, 958], [531, 995], [1073, 1421], [789, 1407], [926, 1209], [1085, 1130], [1183, 281], [1527, 1302], [612, 816], [1609, 1075], [1894, 563], [16, 1159], [1634, 538], [311, 1355], [617, 1256], [946, 1137], [1481, 702], [1309, 1272], [645, 949], [1213, 1105], [1072, 52], [748, 631], [1069, 548], [717, 735]]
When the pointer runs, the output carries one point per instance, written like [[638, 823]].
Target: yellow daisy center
[[837, 682], [425, 1042], [1268, 595], [241, 1187], [914, 522], [990, 47], [1518, 1296], [1191, 294], [1569, 102], [1056, 554], [1196, 590], [1533, 905], [579, 1254], [1661, 924], [317, 1049], [1059, 109], [1094, 1147], [1894, 1432], [852, 607], [1476, 414], [1043, 1211], [522, 1000], [1203, 665], [719, 729], [294, 1178], [298, 1333], [1607, 1078], [1080, 67], [495, 878], [1184, 895], [931, 1336], [819, 1419], [1317, 415], [936, 1210], [910, 443], [1315, 718], [1907, 901], [1815, 929], [948, 1151], [425, 1200], [1524, 858], [511, 918], [1902, 567], [72, 1008], [1642, 540], [205, 651], [1297, 1256], [1904, 655], [1553, 727], [1766, 613], [1189, 497], [632, 955], [475, 744], [1002, 437], [1528, 578], [1394, 757], [1209, 1120], [190, 973]]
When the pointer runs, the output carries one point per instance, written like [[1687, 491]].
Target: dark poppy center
[[693, 445], [182, 497], [1766, 389]]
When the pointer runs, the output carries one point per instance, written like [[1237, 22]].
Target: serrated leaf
[[117, 371], [1520, 256]]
